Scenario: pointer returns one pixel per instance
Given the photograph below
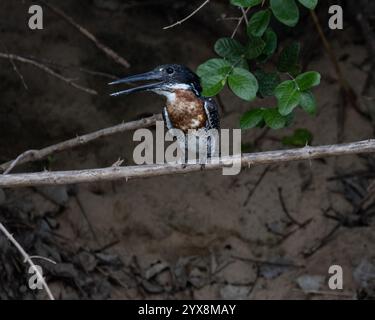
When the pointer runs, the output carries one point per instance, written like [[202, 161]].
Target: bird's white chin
[[169, 89], [171, 96]]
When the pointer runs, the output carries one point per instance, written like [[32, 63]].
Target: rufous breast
[[186, 111]]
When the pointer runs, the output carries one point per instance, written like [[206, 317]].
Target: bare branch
[[21, 157], [57, 65], [108, 51], [188, 17], [244, 14], [48, 70], [35, 155], [27, 259], [130, 172], [15, 68]]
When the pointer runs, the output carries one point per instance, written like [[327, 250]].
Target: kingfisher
[[186, 109]]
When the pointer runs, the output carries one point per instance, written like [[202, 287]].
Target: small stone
[[155, 269], [232, 292], [310, 283]]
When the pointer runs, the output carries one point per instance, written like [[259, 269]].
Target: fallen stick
[[27, 259], [130, 172], [36, 155]]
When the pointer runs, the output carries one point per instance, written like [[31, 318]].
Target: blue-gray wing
[[212, 112]]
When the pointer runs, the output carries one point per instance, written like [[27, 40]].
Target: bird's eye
[[170, 70]]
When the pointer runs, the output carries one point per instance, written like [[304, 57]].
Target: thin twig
[[74, 67], [86, 217], [188, 17], [285, 209], [142, 171], [349, 92], [240, 22], [36, 155], [47, 70], [108, 51], [244, 14], [265, 262], [27, 259], [15, 68], [251, 192], [308, 253]]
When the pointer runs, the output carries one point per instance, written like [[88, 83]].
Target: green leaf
[[259, 23], [308, 102], [286, 11], [228, 47], [212, 85], [274, 119], [213, 74], [255, 48], [270, 38], [295, 70], [288, 97], [267, 82], [289, 58], [214, 67], [245, 3], [251, 119], [300, 138], [243, 84], [308, 80], [238, 62], [309, 4]]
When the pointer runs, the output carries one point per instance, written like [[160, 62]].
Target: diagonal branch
[[342, 80], [46, 69], [108, 51], [36, 155], [243, 17], [125, 173]]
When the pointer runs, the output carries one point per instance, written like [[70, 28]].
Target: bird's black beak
[[148, 76]]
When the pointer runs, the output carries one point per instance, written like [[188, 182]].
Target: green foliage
[[287, 84], [308, 102], [259, 116], [300, 138], [267, 82], [288, 60], [254, 48], [251, 119], [309, 4], [243, 83], [270, 38], [274, 119], [288, 96], [259, 23], [308, 80], [245, 3], [286, 11], [214, 75], [228, 47]]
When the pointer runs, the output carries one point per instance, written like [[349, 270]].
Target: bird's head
[[163, 80]]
